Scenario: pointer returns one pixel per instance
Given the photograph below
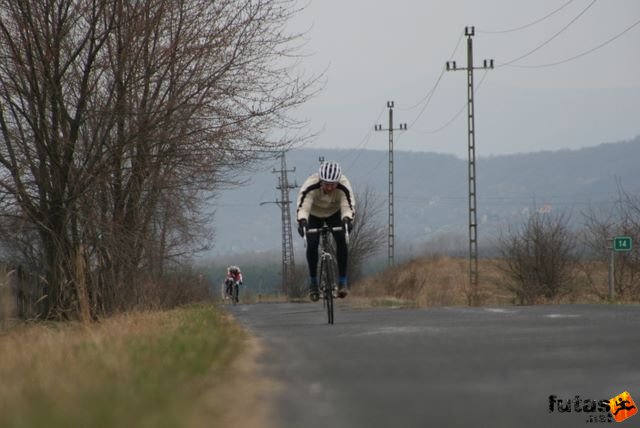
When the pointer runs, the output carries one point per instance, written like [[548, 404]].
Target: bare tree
[[538, 257], [46, 80], [623, 219], [367, 237], [117, 117]]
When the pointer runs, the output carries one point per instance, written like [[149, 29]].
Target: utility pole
[[284, 203], [402, 127], [473, 223]]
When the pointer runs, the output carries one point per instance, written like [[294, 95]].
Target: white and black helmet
[[330, 172]]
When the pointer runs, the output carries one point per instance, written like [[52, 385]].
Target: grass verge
[[151, 369]]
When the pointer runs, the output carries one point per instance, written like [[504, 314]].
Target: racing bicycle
[[327, 285], [232, 290]]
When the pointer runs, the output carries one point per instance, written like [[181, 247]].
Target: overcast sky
[[375, 51]]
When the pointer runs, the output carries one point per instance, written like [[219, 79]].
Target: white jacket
[[312, 200]]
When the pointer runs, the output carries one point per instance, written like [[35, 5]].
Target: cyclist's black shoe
[[314, 294], [342, 291]]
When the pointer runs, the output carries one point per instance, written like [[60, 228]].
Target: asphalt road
[[447, 367]]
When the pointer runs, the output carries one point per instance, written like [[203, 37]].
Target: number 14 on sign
[[622, 243]]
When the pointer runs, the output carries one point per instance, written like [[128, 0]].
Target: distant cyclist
[[233, 275], [326, 197]]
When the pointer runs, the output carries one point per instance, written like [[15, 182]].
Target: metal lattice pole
[[473, 223], [288, 262], [402, 127]]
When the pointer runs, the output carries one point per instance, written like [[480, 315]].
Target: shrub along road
[[456, 366]]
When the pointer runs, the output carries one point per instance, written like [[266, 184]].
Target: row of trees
[[544, 258], [117, 118]]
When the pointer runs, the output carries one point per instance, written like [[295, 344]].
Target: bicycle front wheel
[[235, 293], [327, 282], [330, 307]]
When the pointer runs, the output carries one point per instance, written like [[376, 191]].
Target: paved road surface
[[447, 367]]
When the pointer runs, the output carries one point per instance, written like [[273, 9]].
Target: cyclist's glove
[[348, 224], [302, 225]]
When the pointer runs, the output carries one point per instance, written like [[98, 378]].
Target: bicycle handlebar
[[327, 228], [319, 229]]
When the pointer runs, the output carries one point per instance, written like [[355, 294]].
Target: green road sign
[[622, 243]]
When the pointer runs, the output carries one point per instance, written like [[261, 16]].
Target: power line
[[365, 140], [425, 101], [458, 113], [522, 27], [427, 97], [606, 42], [562, 30], [429, 94], [432, 92]]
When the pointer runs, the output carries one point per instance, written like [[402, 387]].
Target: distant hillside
[[431, 191]]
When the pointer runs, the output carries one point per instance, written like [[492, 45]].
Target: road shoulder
[[248, 392]]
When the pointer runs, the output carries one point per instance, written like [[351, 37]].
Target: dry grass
[[437, 281], [150, 369], [444, 281]]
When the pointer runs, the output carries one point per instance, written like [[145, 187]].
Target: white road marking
[[400, 330], [500, 310], [563, 316]]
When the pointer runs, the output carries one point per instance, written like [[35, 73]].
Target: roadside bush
[[621, 219], [538, 258]]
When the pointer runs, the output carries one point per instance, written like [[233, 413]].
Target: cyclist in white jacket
[[326, 197]]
